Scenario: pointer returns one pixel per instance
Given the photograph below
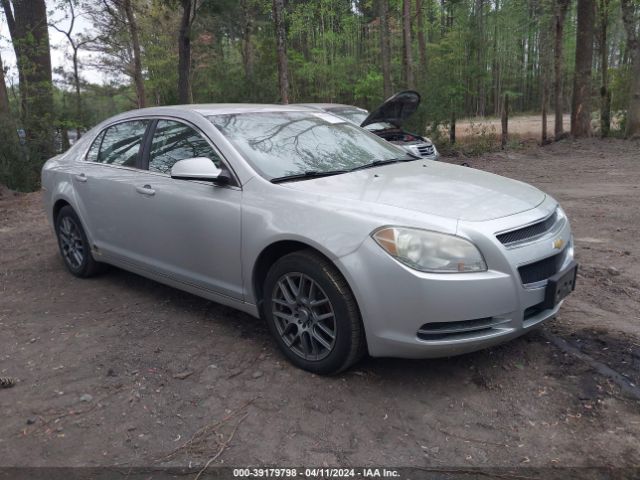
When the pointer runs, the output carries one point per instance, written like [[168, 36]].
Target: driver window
[[173, 141]]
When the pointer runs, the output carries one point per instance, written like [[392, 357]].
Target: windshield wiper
[[377, 163], [307, 174], [316, 174]]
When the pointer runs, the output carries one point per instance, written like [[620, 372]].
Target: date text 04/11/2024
[[315, 473]]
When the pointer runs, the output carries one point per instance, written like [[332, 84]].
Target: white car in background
[[386, 121]]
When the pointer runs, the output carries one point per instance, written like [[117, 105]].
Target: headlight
[[430, 251]]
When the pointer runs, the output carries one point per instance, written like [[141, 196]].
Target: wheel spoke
[[318, 338], [326, 330], [295, 291], [312, 288], [64, 236], [324, 316], [318, 303], [287, 294], [283, 303], [65, 226], [77, 257], [285, 316], [307, 343]]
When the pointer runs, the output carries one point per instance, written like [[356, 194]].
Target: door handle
[[146, 190], [81, 177]]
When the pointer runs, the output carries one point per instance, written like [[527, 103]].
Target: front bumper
[[399, 304]]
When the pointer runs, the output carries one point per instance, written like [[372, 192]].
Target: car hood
[[395, 110], [429, 187]]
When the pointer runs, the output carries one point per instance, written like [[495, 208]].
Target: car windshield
[[354, 115], [279, 144]]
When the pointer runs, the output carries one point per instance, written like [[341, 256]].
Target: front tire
[[312, 313], [74, 246]]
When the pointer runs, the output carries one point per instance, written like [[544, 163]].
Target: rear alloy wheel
[[312, 313], [74, 246]]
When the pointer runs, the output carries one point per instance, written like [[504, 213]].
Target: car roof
[[326, 106], [215, 109]]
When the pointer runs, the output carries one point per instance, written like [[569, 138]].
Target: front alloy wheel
[[304, 316], [312, 313]]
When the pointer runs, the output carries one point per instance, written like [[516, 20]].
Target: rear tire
[[74, 246], [312, 313]]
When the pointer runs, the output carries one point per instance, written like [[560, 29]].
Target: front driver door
[[191, 228]]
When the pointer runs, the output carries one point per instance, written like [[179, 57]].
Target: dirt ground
[[524, 126], [120, 370]]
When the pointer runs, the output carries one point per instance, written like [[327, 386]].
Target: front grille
[[425, 150], [459, 329], [541, 270], [528, 232]]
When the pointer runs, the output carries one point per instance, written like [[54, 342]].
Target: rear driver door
[[106, 183]]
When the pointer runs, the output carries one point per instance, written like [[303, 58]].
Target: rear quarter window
[[92, 154]]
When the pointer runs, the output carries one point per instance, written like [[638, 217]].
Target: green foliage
[[367, 89], [12, 158], [476, 52]]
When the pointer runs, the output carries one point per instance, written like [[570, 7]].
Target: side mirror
[[199, 168]]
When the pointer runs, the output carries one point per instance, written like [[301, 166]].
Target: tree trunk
[[633, 46], [385, 48], [422, 43], [543, 136], [505, 122], [281, 50], [247, 44], [544, 74], [30, 37], [4, 95], [137, 61], [605, 93], [185, 94], [76, 84], [480, 102], [407, 58], [581, 102], [496, 66], [558, 66], [452, 128]]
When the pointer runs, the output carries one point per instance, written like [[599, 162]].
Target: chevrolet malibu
[[342, 242]]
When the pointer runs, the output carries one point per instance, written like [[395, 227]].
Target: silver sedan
[[342, 242]]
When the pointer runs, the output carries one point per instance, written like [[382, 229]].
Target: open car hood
[[396, 109]]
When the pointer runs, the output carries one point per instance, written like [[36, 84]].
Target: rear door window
[[119, 144]]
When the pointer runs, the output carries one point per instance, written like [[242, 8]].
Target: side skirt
[[199, 291]]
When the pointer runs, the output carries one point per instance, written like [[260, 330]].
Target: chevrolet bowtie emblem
[[558, 243]]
